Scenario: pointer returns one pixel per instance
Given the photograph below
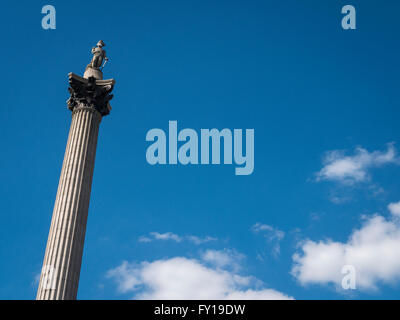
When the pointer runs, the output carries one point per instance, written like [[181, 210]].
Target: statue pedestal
[[95, 73]]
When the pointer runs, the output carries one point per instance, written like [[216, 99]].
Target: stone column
[[89, 102]]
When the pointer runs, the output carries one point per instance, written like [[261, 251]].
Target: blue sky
[[324, 105]]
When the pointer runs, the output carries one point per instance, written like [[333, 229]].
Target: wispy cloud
[[350, 169], [184, 278], [36, 279], [169, 236], [160, 236], [199, 240], [273, 235]]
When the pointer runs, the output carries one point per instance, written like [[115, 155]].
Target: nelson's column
[[89, 102]]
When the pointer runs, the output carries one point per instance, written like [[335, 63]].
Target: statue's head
[[101, 44]]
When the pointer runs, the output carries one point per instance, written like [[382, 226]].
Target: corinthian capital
[[90, 93]]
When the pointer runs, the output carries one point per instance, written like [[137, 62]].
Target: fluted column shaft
[[62, 262]]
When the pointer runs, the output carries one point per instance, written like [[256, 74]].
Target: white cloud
[[394, 208], [272, 234], [183, 278], [373, 250], [266, 294], [352, 169], [126, 276], [223, 259], [174, 237]]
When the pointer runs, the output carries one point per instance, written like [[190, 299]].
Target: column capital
[[90, 93]]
